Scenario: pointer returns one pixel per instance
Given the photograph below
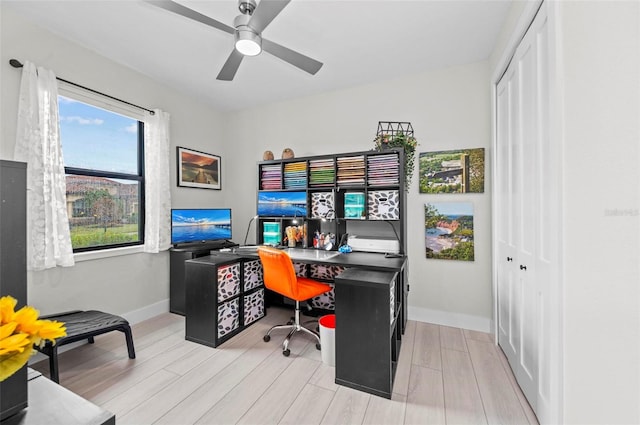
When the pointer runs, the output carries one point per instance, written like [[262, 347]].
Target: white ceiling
[[359, 42]]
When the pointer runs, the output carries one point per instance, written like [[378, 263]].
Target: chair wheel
[[266, 338], [286, 352], [318, 347]]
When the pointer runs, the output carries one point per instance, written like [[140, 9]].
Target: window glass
[[96, 139], [105, 184]]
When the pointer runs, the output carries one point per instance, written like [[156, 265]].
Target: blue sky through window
[[96, 139]]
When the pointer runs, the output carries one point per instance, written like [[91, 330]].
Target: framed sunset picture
[[198, 169]]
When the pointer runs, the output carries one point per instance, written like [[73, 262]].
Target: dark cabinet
[[224, 295], [13, 266], [177, 275], [13, 230], [368, 329]]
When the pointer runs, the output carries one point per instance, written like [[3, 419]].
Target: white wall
[[448, 108], [600, 49], [123, 284]]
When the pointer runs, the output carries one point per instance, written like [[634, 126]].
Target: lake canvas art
[[198, 169], [449, 230]]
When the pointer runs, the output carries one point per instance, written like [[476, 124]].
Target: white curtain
[[38, 144], [157, 222]]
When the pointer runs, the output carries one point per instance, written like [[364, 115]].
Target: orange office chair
[[280, 277]]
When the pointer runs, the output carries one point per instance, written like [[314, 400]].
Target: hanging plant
[[400, 140]]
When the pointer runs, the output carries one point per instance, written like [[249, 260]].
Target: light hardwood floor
[[445, 376]]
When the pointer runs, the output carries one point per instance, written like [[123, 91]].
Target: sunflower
[[19, 330]]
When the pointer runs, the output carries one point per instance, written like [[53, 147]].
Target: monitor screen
[[200, 225], [282, 204]]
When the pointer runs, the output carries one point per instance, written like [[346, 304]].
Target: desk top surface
[[368, 260], [52, 404]]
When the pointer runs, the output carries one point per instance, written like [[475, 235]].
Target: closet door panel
[[548, 215], [505, 273], [527, 213]]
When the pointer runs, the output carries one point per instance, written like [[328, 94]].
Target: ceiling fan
[[247, 31]]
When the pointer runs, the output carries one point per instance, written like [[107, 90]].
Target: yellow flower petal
[[10, 364], [27, 318], [6, 330], [51, 330], [7, 305], [16, 342]]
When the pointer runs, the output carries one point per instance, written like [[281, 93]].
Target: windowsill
[[106, 253]]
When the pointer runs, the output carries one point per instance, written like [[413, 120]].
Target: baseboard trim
[[445, 318], [147, 312]]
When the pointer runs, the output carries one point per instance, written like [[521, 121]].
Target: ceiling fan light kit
[[247, 41]]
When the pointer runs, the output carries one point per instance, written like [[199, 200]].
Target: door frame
[[553, 10]]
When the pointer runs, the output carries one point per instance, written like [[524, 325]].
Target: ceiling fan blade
[[231, 66], [296, 59], [266, 11], [179, 9]]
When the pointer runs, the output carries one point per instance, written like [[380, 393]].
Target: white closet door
[[548, 211], [508, 322], [527, 233]]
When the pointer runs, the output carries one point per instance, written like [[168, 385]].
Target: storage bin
[[384, 205]]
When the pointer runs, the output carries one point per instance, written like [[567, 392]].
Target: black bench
[[84, 325]]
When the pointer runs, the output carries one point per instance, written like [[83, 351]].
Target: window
[[102, 145]]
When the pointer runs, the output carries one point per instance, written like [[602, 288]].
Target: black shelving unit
[[177, 257], [360, 333], [224, 294], [334, 185], [13, 267]]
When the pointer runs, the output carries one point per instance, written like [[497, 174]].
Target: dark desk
[[365, 260], [52, 404], [370, 305], [360, 260]]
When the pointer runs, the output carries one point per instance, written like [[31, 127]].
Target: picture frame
[[449, 231], [455, 171], [198, 169]]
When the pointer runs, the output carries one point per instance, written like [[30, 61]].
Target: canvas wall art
[[457, 171], [198, 169], [449, 230]]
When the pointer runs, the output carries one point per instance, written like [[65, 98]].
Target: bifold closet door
[[527, 234]]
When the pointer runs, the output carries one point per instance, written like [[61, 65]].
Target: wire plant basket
[[398, 134]]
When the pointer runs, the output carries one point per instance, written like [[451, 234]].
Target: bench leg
[[91, 340], [53, 364], [127, 334]]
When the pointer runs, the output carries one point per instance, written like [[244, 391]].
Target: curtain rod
[[17, 64]]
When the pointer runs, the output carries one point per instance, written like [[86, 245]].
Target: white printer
[[373, 244]]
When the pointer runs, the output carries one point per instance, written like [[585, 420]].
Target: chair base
[[293, 328]]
